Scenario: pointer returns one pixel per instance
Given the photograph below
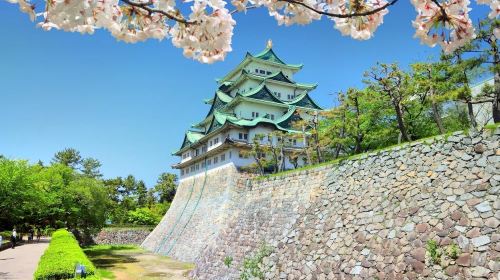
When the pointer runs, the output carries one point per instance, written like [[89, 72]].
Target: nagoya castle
[[257, 97]]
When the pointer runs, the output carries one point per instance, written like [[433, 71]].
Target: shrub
[[143, 216], [434, 252], [60, 258], [252, 266], [228, 260], [453, 251]]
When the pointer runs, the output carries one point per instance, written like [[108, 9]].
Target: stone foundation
[[365, 218], [121, 236]]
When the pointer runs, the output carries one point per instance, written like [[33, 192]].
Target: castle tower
[[257, 97]]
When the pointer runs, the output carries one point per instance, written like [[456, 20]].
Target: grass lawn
[[128, 262]]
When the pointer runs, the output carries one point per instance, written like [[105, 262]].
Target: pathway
[[20, 263]]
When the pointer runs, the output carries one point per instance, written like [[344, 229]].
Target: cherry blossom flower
[[208, 38], [290, 13], [362, 27], [451, 29], [26, 7], [206, 34]]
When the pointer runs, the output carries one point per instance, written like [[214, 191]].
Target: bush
[[143, 216], [61, 257]]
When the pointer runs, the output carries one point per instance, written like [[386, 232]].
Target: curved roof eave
[[301, 97]]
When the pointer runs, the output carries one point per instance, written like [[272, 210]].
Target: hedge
[[60, 258]]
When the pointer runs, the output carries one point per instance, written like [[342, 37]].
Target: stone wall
[[121, 236], [366, 217], [197, 214]]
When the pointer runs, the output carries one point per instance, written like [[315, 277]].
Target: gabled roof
[[289, 118], [266, 57], [269, 55], [304, 100], [261, 92], [190, 138], [219, 100], [276, 77]]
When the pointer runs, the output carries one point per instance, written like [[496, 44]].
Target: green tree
[[391, 83], [166, 187], [68, 157], [142, 193], [485, 51], [90, 167]]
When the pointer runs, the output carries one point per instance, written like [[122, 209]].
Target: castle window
[[255, 114], [182, 172], [268, 72], [262, 72], [256, 70], [223, 157], [192, 168], [243, 136], [230, 154], [202, 164], [216, 159], [216, 140], [209, 162], [278, 94]]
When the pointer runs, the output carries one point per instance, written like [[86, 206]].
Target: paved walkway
[[20, 263]]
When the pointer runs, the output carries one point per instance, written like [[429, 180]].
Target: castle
[[257, 97]]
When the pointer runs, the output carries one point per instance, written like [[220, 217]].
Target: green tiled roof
[[304, 100], [262, 93], [276, 76], [191, 137], [268, 54]]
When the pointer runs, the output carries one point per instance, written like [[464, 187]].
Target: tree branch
[[443, 11], [367, 13], [146, 6]]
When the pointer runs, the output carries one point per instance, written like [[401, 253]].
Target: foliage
[[143, 216], [54, 196], [70, 193], [68, 157], [61, 257], [453, 251], [252, 266], [228, 260], [434, 251], [90, 167], [166, 187]]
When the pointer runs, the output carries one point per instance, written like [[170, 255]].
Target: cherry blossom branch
[[361, 14], [443, 11], [146, 6]]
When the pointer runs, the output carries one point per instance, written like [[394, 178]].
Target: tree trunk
[[316, 136], [435, 112], [401, 123], [496, 81], [470, 112], [281, 154], [306, 145], [437, 118]]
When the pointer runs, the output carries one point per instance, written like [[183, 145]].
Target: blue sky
[[128, 105]]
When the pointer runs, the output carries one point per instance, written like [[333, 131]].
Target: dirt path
[[21, 262], [122, 263]]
